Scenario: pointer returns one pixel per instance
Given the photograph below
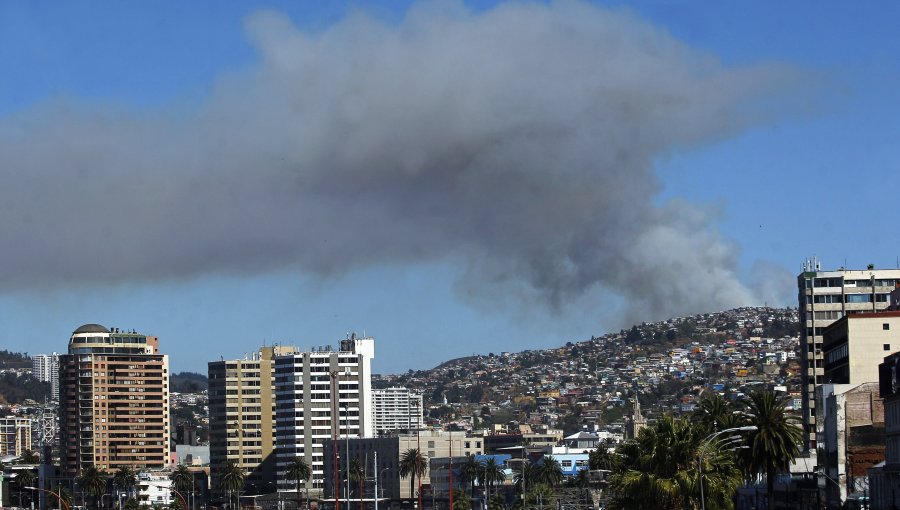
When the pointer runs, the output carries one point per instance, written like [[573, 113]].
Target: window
[[858, 298], [887, 347], [885, 326]]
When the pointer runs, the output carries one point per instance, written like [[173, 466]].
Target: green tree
[[774, 443], [493, 473], [497, 502], [525, 477], [124, 479], [470, 472], [357, 475], [29, 457], [299, 471], [462, 501], [231, 478], [25, 478], [550, 472], [413, 464], [132, 504], [93, 482], [540, 495], [660, 470], [603, 458]]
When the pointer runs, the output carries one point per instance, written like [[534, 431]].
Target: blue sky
[[812, 178]]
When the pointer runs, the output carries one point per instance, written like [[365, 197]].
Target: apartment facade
[[45, 367], [15, 435], [396, 409], [114, 401], [856, 344], [824, 297], [242, 415], [320, 395]]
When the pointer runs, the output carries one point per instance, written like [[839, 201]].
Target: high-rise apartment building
[[114, 401], [320, 395], [396, 409], [15, 435], [45, 367], [242, 415], [824, 297]]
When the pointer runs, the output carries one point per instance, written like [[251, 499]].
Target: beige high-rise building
[[114, 401], [824, 297], [15, 435], [242, 415]]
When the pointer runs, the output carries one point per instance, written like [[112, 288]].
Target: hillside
[[665, 364], [188, 382]]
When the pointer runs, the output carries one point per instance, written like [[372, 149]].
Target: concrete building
[[884, 480], [854, 345], [396, 409], [154, 489], [320, 395], [114, 401], [242, 415], [15, 435], [853, 437], [824, 297], [45, 367]]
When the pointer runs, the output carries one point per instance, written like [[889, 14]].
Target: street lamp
[[418, 453], [706, 442], [346, 407], [58, 497], [335, 423]]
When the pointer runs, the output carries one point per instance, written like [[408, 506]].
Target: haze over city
[[448, 177]]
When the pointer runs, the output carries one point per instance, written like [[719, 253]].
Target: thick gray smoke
[[517, 143]]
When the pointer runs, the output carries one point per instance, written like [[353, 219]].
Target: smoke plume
[[517, 144]]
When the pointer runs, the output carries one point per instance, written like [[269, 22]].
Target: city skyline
[[675, 211]]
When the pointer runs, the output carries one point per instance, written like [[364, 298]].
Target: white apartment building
[[154, 488], [45, 367], [824, 297], [396, 409], [320, 395]]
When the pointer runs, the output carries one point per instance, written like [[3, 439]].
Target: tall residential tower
[[320, 395], [824, 297], [242, 415], [114, 401]]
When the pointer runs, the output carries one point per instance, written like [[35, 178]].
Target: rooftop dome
[[91, 328]]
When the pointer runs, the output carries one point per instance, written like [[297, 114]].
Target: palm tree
[[492, 472], [470, 472], [659, 469], [497, 502], [231, 479], [550, 472], [124, 479], [525, 477], [462, 501], [299, 471], [64, 495], [411, 465], [602, 459], [774, 443], [357, 475], [581, 480], [25, 478], [29, 457], [93, 482]]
